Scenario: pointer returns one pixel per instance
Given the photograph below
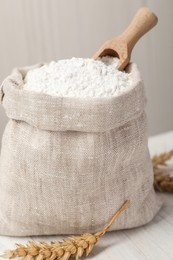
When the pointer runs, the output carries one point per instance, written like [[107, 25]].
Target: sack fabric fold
[[67, 164]]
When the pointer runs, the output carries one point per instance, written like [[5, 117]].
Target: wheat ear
[[73, 247], [163, 182], [162, 158]]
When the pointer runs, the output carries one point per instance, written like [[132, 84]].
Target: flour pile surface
[[78, 77]]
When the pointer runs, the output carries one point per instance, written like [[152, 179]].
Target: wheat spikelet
[[161, 158], [73, 247], [162, 181]]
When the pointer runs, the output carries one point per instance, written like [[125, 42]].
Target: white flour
[[78, 77]]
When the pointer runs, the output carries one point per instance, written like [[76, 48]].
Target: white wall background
[[43, 30]]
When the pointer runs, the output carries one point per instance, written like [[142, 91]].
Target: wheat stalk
[[73, 247], [163, 182]]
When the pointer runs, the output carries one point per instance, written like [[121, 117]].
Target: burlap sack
[[68, 164]]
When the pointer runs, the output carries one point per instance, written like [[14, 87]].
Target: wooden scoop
[[122, 45]]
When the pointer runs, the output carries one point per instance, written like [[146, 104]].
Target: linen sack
[[68, 164]]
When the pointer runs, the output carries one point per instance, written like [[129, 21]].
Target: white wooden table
[[152, 241]]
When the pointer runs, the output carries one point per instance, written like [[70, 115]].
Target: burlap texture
[[67, 164]]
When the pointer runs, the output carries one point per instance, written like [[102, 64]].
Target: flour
[[78, 77]]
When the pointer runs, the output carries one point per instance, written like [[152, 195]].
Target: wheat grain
[[73, 247]]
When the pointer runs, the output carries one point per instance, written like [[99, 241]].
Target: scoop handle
[[143, 21]]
